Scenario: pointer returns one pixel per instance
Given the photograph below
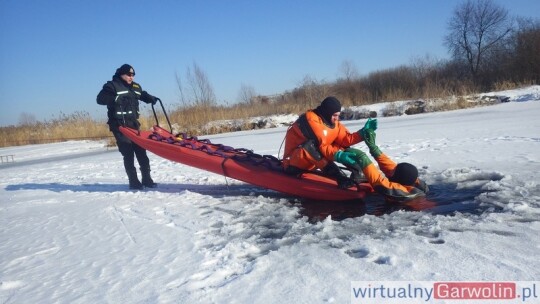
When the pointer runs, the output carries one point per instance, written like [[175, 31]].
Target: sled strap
[[306, 130], [225, 152], [311, 145], [269, 161]]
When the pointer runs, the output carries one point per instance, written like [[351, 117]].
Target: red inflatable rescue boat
[[242, 164]]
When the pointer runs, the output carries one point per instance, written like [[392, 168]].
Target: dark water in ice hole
[[443, 198]]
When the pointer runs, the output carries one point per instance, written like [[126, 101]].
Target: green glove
[[348, 159], [369, 139], [361, 158], [371, 124]]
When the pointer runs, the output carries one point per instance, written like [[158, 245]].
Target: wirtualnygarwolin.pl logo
[[440, 292]]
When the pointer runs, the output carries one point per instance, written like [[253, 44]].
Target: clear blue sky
[[56, 55]]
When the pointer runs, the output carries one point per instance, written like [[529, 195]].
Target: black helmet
[[405, 174]]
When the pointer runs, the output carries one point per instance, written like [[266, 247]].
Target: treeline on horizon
[[490, 51]]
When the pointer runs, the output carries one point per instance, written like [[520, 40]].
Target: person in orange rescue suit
[[317, 139], [399, 182], [121, 95]]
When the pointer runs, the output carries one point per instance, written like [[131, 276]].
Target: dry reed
[[193, 119]]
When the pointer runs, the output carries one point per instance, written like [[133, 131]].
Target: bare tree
[[527, 54], [182, 96], [424, 66], [347, 86], [199, 91], [349, 71], [476, 28], [247, 94], [27, 119], [313, 91]]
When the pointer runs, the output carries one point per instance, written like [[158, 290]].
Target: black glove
[[152, 99], [148, 98]]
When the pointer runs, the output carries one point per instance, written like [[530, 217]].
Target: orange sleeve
[[331, 139], [346, 138], [374, 176], [391, 190], [384, 186], [386, 164]]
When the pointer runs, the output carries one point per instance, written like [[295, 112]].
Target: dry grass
[[66, 127], [193, 120]]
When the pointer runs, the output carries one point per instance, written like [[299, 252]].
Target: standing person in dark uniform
[[121, 95]]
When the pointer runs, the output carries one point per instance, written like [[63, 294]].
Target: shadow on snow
[[212, 190], [442, 198]]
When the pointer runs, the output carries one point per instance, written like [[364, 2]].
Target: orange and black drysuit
[[311, 142], [385, 186]]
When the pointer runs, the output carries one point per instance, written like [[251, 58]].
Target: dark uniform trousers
[[129, 151]]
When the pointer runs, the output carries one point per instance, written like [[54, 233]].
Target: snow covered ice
[[73, 233]]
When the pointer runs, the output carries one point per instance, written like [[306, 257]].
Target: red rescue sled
[[241, 164]]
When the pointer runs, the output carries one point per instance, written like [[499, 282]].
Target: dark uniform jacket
[[122, 101]]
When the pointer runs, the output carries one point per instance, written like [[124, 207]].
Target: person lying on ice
[[399, 182], [313, 141]]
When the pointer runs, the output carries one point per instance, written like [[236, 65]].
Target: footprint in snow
[[358, 253], [430, 237], [363, 253], [384, 260]]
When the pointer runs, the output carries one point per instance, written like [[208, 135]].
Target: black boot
[[147, 179], [134, 182], [357, 176], [332, 170]]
